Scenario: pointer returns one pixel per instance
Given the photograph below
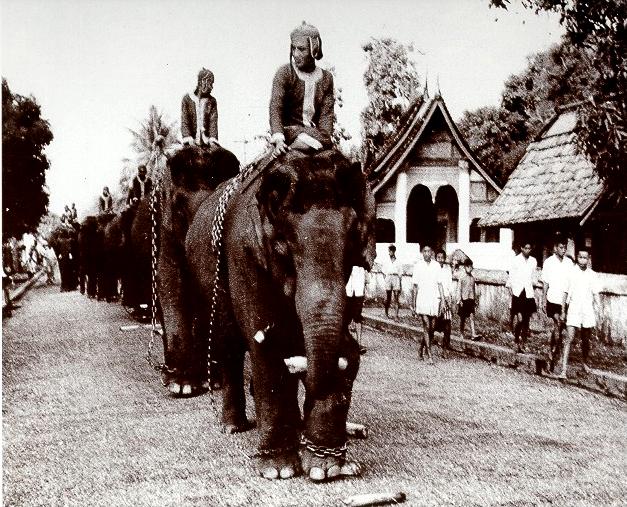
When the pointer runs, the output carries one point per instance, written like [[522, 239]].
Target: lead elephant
[[289, 240], [64, 241]]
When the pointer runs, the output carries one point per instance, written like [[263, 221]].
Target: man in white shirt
[[579, 308], [392, 272], [520, 285], [555, 274], [426, 296], [355, 290]]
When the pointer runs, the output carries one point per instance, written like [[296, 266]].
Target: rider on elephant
[[105, 202], [141, 186], [302, 101], [199, 113]]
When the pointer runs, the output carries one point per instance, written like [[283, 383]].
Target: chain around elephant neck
[[217, 233]]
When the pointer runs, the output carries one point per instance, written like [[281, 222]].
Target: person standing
[[523, 303], [199, 113], [303, 97], [427, 293], [355, 292], [467, 297], [555, 275], [443, 322], [392, 273], [579, 307]]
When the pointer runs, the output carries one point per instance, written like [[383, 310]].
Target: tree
[[598, 27], [152, 139], [500, 135], [392, 82], [25, 134]]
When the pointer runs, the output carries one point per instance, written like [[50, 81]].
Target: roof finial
[[437, 81], [425, 92]]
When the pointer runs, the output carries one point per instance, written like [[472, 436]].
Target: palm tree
[[152, 139]]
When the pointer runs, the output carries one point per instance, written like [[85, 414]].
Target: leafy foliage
[[392, 82], [25, 134], [598, 27], [154, 136], [553, 78]]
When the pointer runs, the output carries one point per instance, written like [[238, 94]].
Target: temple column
[[463, 225], [400, 209]]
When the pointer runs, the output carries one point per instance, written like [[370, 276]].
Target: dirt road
[[86, 422]]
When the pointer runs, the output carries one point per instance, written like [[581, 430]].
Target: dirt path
[[85, 422]]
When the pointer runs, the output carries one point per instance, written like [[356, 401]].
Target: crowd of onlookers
[[569, 298], [21, 259]]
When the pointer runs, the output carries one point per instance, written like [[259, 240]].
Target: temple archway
[[421, 218], [446, 215]]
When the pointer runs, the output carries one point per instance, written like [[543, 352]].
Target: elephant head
[[317, 216]]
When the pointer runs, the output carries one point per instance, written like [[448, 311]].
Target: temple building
[[430, 189]]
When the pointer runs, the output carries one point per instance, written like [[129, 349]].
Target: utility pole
[[244, 142]]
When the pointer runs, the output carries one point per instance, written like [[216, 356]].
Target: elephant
[[291, 234], [136, 255], [64, 241], [112, 259], [90, 241]]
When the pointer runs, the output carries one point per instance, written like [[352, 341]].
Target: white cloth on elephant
[[356, 283], [426, 277]]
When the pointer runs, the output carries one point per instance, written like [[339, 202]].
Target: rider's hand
[[279, 148]]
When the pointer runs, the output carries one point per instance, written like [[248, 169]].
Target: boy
[[427, 293], [443, 322], [555, 274], [303, 97], [579, 307], [523, 303], [466, 297], [392, 273]]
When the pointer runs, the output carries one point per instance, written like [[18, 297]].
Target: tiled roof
[[551, 181], [411, 126]]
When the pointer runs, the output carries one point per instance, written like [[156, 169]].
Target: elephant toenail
[[351, 469], [287, 472], [174, 388], [316, 474], [270, 473], [187, 389], [334, 471]]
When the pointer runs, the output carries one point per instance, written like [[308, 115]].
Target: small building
[[555, 188], [430, 189]]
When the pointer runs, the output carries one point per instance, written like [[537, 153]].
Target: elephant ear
[[355, 190], [276, 192]]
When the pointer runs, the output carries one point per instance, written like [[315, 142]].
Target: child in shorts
[[466, 296]]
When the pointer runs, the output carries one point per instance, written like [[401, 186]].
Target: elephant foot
[[230, 428], [324, 468], [276, 465], [180, 387]]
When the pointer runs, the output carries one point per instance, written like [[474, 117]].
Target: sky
[[96, 67]]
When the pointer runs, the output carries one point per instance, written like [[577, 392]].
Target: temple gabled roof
[[552, 180], [413, 125]]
